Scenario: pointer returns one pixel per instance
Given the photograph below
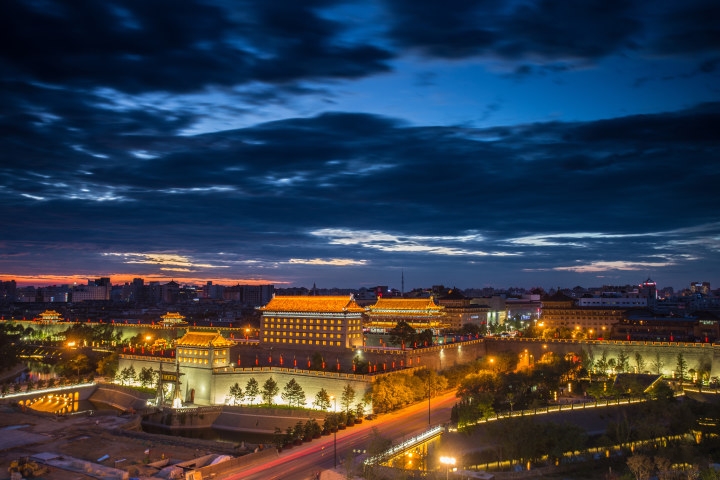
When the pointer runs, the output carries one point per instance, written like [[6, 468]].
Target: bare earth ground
[[90, 438]]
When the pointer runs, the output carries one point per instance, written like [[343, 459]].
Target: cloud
[[335, 262], [169, 261], [170, 47], [538, 29], [388, 242], [609, 266]]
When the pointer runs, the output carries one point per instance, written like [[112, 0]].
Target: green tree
[[108, 365], [425, 337], [402, 334], [127, 375], [601, 364], [269, 390], [322, 400], [470, 329], [639, 363], [79, 364], [623, 362], [657, 364], [681, 366], [236, 393], [390, 394], [147, 376], [278, 438], [293, 393], [9, 351], [347, 398], [641, 466], [252, 390], [432, 382]]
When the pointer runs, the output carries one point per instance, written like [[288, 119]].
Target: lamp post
[[336, 429], [447, 461]]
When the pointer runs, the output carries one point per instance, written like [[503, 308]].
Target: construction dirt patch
[[101, 438]]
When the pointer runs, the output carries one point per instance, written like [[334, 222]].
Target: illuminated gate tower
[[49, 317], [420, 313], [323, 322], [173, 319], [198, 353]]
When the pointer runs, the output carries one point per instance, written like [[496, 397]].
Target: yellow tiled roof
[[405, 304], [321, 303], [204, 339]]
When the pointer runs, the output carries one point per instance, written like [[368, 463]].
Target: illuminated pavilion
[[420, 313], [173, 319], [49, 316]]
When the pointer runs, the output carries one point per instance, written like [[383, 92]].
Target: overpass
[[403, 447]]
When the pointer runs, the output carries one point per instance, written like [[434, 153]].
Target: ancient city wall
[[699, 356]]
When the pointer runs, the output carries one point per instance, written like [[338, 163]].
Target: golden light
[[71, 343], [148, 338], [447, 460]]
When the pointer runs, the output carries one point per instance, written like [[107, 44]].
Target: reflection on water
[[63, 404]]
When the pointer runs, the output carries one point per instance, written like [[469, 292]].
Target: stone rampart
[[310, 381], [698, 356], [119, 397], [264, 420]]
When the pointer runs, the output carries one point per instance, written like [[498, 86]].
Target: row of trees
[[399, 390], [293, 394]]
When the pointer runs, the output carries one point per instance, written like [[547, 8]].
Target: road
[[304, 461]]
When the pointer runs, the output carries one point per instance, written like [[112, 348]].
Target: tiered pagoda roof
[[173, 319], [406, 306], [204, 339], [307, 304], [49, 316]]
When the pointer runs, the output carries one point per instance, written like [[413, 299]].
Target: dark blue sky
[[489, 143]]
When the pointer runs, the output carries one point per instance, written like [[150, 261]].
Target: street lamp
[[336, 428], [447, 461]]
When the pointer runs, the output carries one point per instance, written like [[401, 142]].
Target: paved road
[[304, 461]]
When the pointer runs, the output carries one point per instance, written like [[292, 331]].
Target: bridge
[[405, 446], [62, 399]]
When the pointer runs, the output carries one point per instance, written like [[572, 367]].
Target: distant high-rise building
[[700, 287], [98, 289], [251, 295], [648, 289], [7, 291]]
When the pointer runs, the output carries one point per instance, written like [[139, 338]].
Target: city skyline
[[534, 143]]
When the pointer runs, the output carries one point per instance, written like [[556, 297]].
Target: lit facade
[[560, 311], [420, 313], [49, 316], [204, 349], [173, 319], [301, 322]]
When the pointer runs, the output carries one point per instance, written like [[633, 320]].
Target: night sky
[[489, 143]]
